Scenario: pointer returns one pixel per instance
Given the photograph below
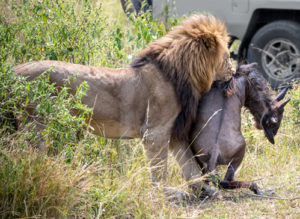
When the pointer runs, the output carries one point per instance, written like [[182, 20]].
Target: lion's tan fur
[[191, 56], [196, 48], [163, 84]]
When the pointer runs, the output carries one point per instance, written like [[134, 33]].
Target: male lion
[[158, 95]]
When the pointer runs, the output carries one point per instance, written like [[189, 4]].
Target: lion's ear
[[209, 40], [139, 61]]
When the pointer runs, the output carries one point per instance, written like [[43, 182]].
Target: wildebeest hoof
[[255, 189], [259, 193], [175, 195]]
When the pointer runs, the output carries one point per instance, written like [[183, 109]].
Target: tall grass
[[77, 174]]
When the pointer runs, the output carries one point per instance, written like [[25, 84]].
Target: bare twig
[[4, 117], [210, 118], [271, 197], [274, 188], [202, 202]]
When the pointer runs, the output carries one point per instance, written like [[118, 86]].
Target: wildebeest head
[[266, 110], [271, 120]]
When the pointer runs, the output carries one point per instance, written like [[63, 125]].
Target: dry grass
[[111, 179]]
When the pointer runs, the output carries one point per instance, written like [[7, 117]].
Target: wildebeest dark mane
[[229, 87], [258, 98]]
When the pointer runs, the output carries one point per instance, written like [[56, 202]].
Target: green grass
[[82, 175]]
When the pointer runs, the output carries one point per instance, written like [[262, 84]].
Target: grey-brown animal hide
[[217, 139]]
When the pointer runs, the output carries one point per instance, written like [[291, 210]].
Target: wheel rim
[[280, 59]]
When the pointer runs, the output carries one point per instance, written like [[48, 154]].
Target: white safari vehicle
[[269, 30]]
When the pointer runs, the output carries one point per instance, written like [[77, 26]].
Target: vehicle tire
[[137, 4], [276, 49]]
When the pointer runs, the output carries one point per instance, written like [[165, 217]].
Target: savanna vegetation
[[78, 174]]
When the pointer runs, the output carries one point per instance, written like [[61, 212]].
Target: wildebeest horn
[[282, 105], [268, 132], [282, 93]]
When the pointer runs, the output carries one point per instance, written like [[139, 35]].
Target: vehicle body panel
[[236, 14]]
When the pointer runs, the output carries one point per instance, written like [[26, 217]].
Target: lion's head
[[191, 56]]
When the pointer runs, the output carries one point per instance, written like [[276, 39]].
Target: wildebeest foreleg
[[229, 183], [240, 184]]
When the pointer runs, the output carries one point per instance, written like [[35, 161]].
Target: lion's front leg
[[162, 110], [156, 144], [186, 159], [190, 168]]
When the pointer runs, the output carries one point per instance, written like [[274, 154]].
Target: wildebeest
[[217, 139]]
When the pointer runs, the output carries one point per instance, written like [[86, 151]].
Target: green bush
[[78, 174], [55, 30], [39, 105], [73, 31], [75, 170]]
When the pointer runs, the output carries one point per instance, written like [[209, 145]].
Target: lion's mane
[[188, 57]]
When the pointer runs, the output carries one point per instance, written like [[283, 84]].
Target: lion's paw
[[209, 192], [204, 191], [174, 195]]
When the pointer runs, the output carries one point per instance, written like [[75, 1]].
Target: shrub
[[78, 174]]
